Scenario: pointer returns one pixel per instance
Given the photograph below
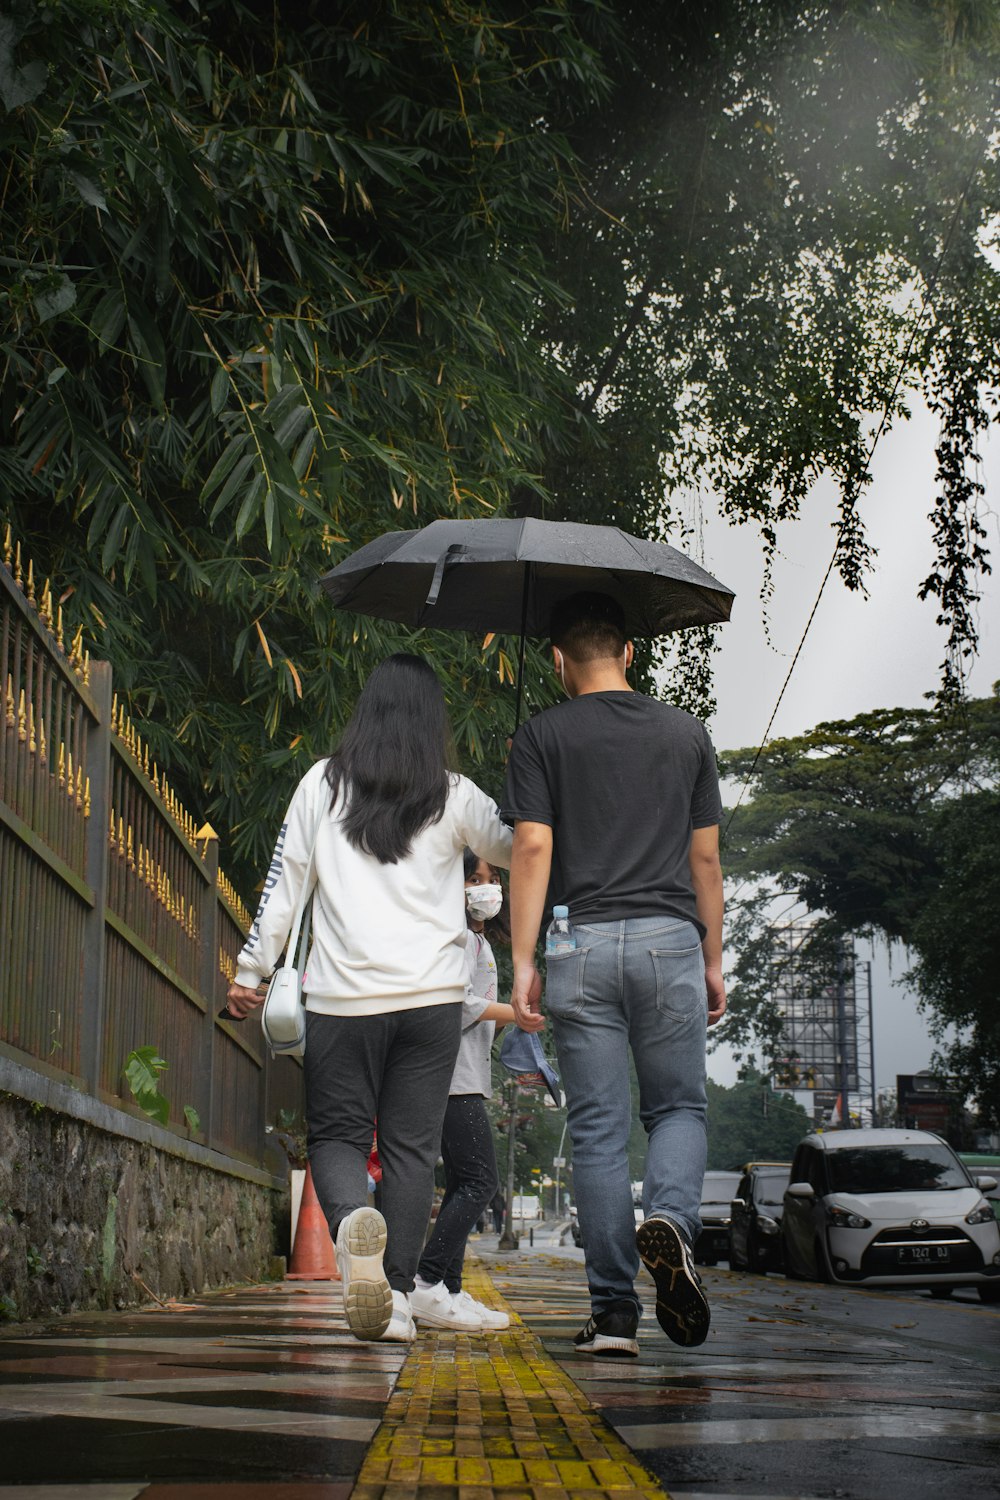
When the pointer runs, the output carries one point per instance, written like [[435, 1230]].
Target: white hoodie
[[384, 937]]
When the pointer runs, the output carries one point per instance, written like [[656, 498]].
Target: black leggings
[[470, 1174], [396, 1067]]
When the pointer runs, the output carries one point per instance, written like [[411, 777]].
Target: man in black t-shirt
[[615, 803]]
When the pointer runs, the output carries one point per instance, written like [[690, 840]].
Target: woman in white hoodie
[[385, 976]]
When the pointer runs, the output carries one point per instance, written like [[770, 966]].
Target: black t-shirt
[[622, 780]]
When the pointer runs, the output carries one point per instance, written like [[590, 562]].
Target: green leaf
[[17, 85], [153, 1104], [203, 64], [143, 1067], [58, 298], [88, 190], [219, 392], [192, 1117]]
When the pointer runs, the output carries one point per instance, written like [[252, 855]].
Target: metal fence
[[117, 928]]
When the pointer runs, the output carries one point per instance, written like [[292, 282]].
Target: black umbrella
[[505, 576]]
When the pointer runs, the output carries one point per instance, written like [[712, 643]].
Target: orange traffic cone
[[313, 1255]]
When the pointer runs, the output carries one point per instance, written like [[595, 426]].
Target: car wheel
[[941, 1291], [989, 1292]]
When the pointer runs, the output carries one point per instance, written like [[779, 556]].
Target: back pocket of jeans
[[680, 983], [564, 973]]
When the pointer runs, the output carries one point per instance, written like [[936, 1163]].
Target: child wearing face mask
[[470, 1164]]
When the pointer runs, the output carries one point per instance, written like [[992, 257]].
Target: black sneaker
[[611, 1331], [682, 1309]]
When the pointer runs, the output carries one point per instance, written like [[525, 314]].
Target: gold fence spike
[[111, 827], [8, 548], [32, 742], [121, 837], [156, 779], [62, 771], [45, 608], [43, 748], [145, 761], [11, 716], [86, 798], [22, 731], [86, 669], [79, 789], [60, 640], [69, 774], [18, 576], [76, 646], [31, 583], [130, 849]]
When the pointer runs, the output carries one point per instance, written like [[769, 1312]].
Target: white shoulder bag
[[283, 1017]]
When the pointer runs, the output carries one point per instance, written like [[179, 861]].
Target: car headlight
[[981, 1214], [842, 1218], [766, 1225]]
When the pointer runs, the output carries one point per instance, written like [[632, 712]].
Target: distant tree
[[886, 825], [790, 224], [751, 1121]]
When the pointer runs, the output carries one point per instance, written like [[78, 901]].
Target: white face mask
[[483, 901]]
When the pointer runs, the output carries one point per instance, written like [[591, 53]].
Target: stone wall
[[91, 1219]]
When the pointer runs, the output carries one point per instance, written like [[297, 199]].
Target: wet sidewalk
[[801, 1392], [263, 1392]]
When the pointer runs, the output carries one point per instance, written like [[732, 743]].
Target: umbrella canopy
[[507, 575]]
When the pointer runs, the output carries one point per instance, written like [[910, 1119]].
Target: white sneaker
[[368, 1301], [488, 1316], [436, 1307], [401, 1329]]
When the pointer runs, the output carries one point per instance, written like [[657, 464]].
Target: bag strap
[[298, 951]]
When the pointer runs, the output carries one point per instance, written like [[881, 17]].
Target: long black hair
[[394, 759]]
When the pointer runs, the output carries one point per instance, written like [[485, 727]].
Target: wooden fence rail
[[117, 928]]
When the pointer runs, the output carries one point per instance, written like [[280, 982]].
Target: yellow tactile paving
[[492, 1417]]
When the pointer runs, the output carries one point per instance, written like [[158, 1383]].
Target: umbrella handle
[[452, 555]]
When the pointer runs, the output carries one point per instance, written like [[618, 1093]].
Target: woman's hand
[[241, 1001]]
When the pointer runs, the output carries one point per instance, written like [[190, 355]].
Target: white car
[[889, 1208]]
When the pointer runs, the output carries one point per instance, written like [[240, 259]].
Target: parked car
[[755, 1221], [979, 1165], [889, 1208], [717, 1193], [576, 1235]]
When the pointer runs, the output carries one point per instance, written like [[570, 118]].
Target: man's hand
[[526, 998], [241, 1001], [716, 995]]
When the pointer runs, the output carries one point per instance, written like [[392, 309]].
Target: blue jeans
[[638, 984]]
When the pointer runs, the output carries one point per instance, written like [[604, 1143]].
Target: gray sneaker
[[367, 1295], [682, 1309]]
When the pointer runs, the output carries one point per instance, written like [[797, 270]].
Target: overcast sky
[[883, 652]]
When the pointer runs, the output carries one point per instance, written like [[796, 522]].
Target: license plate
[[923, 1255]]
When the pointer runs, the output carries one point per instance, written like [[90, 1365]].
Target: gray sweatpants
[[395, 1069]]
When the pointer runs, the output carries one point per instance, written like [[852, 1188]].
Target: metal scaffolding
[[824, 997]]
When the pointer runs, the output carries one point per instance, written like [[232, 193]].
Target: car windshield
[[769, 1189], [895, 1169], [720, 1188]]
